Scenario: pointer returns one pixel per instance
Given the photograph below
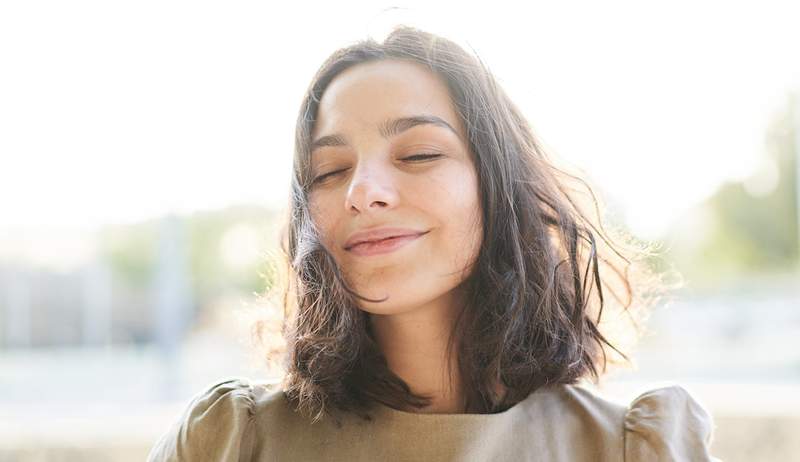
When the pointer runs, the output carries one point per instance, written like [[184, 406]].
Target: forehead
[[363, 96]]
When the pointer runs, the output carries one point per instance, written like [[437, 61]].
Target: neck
[[414, 344]]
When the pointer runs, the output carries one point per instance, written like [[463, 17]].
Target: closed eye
[[413, 158], [323, 177], [422, 156]]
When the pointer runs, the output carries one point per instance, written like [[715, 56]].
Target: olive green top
[[241, 420]]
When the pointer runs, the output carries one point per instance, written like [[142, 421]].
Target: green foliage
[[206, 231], [747, 233], [131, 251]]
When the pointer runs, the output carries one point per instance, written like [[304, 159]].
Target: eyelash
[[421, 155]]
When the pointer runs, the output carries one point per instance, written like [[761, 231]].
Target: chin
[[388, 307]]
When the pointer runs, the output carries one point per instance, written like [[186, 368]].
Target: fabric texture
[[238, 420]]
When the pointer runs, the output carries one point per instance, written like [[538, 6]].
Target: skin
[[376, 187]]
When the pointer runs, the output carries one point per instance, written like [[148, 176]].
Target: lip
[[378, 234], [388, 245]]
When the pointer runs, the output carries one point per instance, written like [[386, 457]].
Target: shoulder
[[217, 424], [667, 423], [578, 414], [592, 408], [660, 424]]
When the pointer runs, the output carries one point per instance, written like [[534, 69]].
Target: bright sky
[[119, 111]]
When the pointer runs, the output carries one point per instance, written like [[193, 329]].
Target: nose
[[372, 188]]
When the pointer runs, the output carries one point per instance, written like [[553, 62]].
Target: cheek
[[459, 212], [324, 218]]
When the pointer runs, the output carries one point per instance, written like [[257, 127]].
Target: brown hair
[[530, 320]]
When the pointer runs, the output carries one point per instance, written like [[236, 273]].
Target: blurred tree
[[750, 226], [131, 252], [229, 253], [215, 271]]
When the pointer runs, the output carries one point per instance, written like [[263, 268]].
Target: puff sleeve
[[668, 424], [218, 424]]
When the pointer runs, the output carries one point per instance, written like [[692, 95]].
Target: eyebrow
[[389, 128]]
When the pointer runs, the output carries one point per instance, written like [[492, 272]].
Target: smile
[[384, 246]]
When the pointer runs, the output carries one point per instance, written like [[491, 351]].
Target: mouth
[[383, 246]]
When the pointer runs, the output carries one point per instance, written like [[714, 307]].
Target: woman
[[439, 299]]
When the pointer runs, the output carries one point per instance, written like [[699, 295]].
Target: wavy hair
[[530, 318]]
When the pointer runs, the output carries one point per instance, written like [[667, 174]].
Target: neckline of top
[[464, 416]]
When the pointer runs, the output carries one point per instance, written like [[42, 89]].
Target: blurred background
[[145, 154]]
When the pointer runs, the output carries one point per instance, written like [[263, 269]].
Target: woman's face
[[372, 119]]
